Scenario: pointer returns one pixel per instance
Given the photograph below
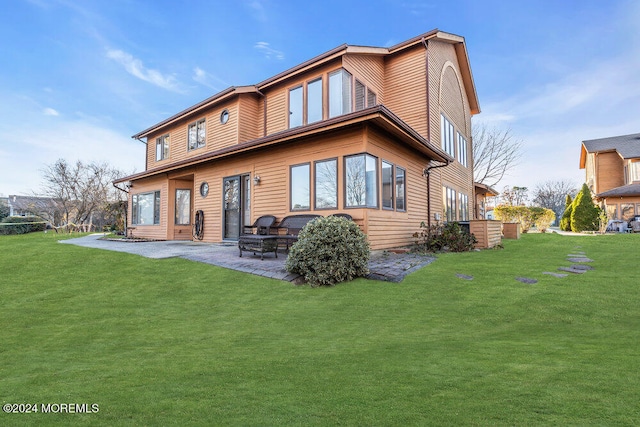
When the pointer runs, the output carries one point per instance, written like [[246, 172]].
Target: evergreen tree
[[565, 221], [585, 215]]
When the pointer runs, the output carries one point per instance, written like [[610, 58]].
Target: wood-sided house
[[612, 172], [352, 130]]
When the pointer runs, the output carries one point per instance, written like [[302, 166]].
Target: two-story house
[[612, 167], [352, 130]]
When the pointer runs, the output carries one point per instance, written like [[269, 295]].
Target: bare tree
[[552, 195], [495, 152], [81, 191], [514, 196]]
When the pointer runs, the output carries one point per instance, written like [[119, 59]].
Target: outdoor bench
[[291, 225]]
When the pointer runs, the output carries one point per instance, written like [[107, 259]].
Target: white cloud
[[50, 112], [268, 51], [258, 10], [135, 67], [208, 80]]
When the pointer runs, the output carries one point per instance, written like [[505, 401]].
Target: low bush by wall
[[21, 225]]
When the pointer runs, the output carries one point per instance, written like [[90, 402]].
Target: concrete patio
[[383, 265]]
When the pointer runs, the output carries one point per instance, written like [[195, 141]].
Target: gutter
[[427, 173]]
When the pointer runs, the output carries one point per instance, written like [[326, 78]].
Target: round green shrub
[[329, 250]]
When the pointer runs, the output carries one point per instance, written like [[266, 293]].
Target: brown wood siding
[[405, 87], [218, 135], [250, 118], [609, 171], [369, 69]]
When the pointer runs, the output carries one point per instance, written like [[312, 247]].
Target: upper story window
[[295, 107], [197, 134], [364, 97], [447, 136], [634, 171], [339, 93], [462, 150], [162, 147], [305, 109]]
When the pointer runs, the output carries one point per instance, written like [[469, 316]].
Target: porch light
[[256, 180]]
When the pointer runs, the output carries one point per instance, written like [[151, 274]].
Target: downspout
[[426, 49], [427, 173]]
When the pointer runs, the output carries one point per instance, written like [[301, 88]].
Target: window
[[627, 211], [197, 134], [463, 213], [145, 208], [300, 181], [326, 184], [635, 171], [372, 99], [314, 101], [295, 107], [449, 196], [339, 93], [224, 116], [361, 181], [162, 147], [446, 135], [462, 150], [183, 207], [364, 97], [387, 185], [401, 177]]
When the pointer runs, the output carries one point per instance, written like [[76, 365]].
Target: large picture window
[[326, 184], [162, 147], [300, 182], [387, 185], [401, 178], [183, 207], [449, 196], [361, 181], [295, 107], [339, 93], [447, 136], [197, 134], [145, 208], [314, 101], [462, 150]]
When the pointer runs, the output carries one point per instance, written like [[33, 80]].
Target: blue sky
[[78, 78]]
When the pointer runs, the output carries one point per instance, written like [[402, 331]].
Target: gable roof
[[457, 41], [627, 147]]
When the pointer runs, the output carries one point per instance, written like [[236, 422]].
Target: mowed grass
[[174, 342]]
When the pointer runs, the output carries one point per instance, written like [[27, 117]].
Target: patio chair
[[262, 225], [343, 215]]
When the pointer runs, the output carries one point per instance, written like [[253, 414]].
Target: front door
[[236, 205]]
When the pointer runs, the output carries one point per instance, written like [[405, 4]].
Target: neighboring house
[[30, 205], [483, 193], [612, 167], [351, 130]]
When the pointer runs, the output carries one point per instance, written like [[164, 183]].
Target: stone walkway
[[383, 265]]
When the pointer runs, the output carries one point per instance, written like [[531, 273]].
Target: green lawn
[[174, 342]]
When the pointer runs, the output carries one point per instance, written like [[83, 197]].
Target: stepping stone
[[464, 276], [577, 255], [581, 267], [526, 280], [572, 270], [579, 259], [555, 274]]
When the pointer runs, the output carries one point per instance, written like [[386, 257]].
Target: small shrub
[[542, 218], [444, 237], [565, 221], [21, 225], [329, 250]]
